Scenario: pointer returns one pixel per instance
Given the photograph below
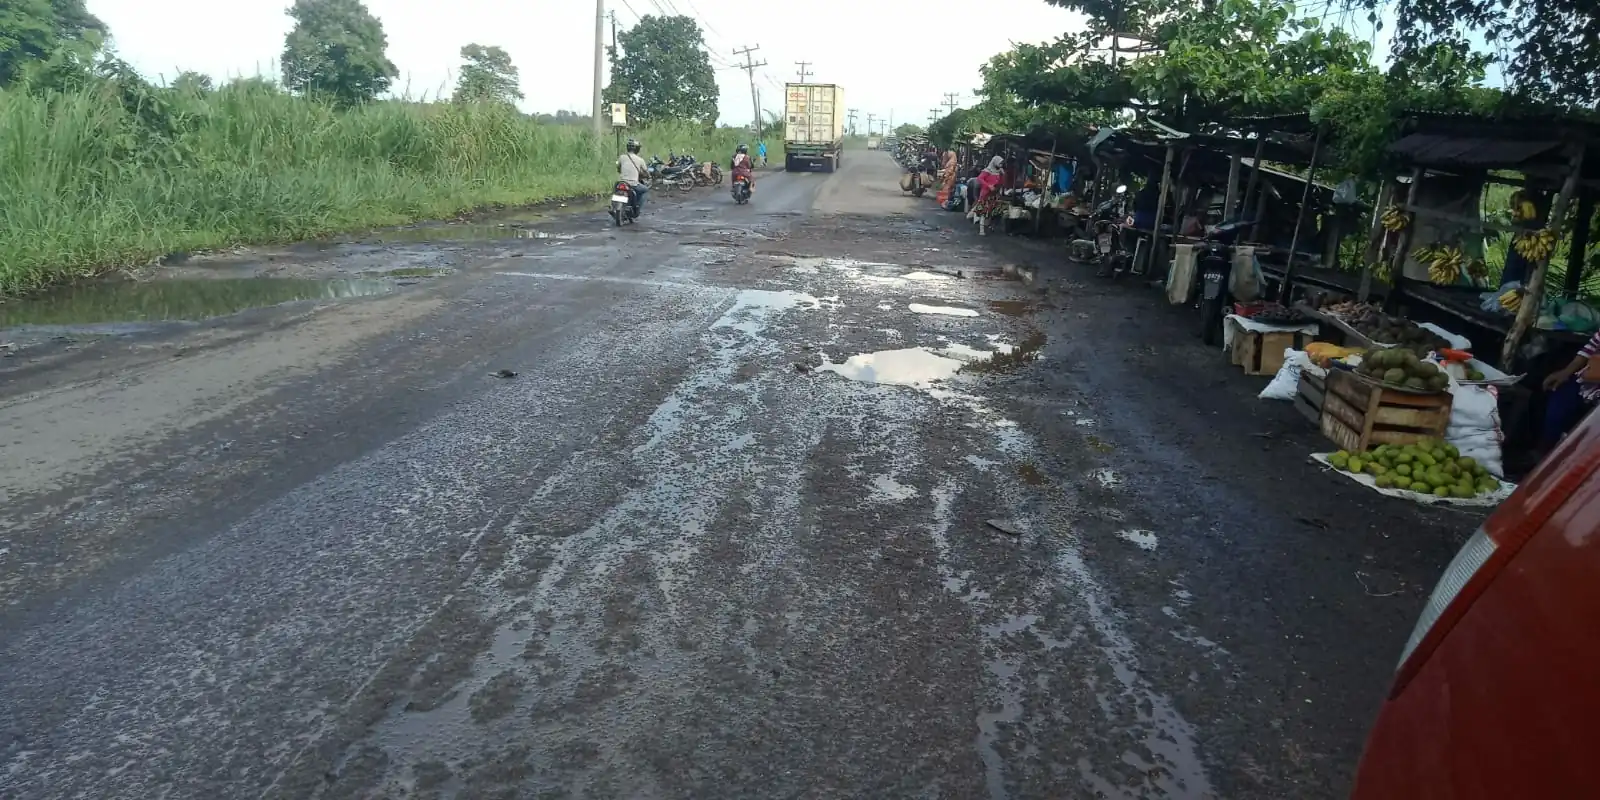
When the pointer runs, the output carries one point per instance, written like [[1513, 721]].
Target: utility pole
[[803, 71], [870, 118], [613, 16], [852, 114], [599, 63], [749, 67], [933, 115], [950, 100]]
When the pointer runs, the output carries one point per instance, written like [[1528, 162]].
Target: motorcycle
[[624, 205], [1215, 269], [672, 173], [1107, 225], [741, 189]]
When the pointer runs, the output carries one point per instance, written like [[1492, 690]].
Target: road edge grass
[[95, 186]]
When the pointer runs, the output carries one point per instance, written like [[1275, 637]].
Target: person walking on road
[[761, 152], [633, 169]]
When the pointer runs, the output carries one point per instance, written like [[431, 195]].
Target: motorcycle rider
[[743, 166], [633, 169]]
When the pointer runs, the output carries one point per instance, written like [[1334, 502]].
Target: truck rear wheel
[[788, 163], [828, 163]]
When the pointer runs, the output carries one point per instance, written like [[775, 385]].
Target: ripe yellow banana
[[1511, 300], [1394, 219], [1536, 246]]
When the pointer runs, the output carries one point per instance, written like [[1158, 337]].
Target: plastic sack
[[1346, 193], [1474, 426], [1286, 384]]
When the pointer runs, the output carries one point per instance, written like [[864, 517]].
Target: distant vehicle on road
[[872, 142], [813, 133], [1496, 694]]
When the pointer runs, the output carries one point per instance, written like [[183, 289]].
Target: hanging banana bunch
[[1394, 219], [1536, 246], [1445, 266], [1383, 272], [1425, 254], [1511, 300], [1477, 270], [1522, 209]]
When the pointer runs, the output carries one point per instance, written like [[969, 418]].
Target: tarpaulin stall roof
[[1535, 145]]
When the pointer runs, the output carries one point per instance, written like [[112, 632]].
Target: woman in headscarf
[[947, 187], [988, 181]]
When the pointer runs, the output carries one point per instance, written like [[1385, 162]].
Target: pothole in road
[[912, 366], [949, 311], [175, 300]]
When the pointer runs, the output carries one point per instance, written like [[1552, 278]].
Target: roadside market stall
[[1039, 170]]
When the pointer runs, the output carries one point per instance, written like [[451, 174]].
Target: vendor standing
[[1147, 206]]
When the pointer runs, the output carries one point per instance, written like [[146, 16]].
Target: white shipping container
[[814, 114]]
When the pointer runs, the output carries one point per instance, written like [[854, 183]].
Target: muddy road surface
[[803, 499]]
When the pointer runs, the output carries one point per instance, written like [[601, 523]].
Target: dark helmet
[[743, 148], [633, 145]]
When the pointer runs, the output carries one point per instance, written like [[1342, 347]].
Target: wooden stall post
[[1161, 206], [1230, 199], [1576, 261], [1374, 248], [1045, 188], [1251, 186], [1300, 218], [1533, 298], [1402, 248]]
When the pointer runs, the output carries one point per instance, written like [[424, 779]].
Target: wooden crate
[[1357, 415], [1308, 398], [1262, 353]]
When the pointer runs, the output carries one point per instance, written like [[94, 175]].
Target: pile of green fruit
[[1400, 367], [1429, 467]]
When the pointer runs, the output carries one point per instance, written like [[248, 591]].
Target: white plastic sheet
[[1488, 500]]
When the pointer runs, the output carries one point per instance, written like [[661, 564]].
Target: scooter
[[1215, 269], [741, 189], [624, 204]]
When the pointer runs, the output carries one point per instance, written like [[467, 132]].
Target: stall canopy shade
[[1445, 150]]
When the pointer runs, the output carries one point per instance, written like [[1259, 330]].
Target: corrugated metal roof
[[1470, 151]]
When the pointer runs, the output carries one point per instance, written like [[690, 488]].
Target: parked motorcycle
[[1214, 263], [624, 204], [672, 173], [741, 189]]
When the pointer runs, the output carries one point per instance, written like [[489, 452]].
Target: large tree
[[336, 50], [36, 30], [487, 76], [1551, 48], [663, 72]]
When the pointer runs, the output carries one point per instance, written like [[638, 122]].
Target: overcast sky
[[892, 58]]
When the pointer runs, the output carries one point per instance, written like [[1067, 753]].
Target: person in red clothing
[[1573, 389], [743, 166]]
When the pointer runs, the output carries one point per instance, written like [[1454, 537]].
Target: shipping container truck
[[813, 135]]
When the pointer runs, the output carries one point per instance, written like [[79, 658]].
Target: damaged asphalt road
[[796, 499]]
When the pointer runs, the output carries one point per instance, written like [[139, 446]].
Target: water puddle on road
[[171, 300], [949, 311], [912, 366]]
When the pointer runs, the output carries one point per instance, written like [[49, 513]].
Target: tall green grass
[[92, 181]]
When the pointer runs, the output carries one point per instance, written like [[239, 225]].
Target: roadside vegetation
[[1205, 66], [101, 169]]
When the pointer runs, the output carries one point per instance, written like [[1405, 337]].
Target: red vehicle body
[[1498, 689]]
